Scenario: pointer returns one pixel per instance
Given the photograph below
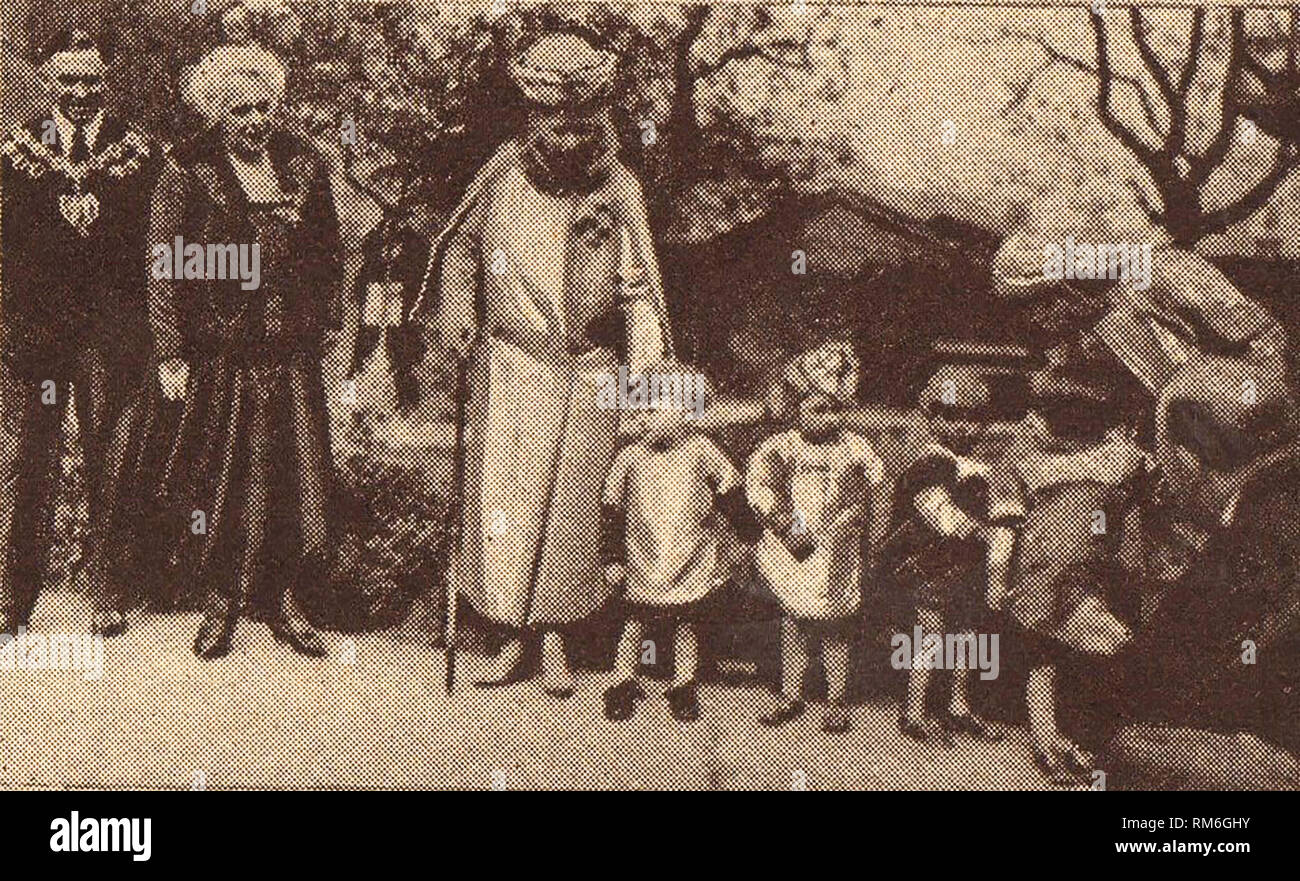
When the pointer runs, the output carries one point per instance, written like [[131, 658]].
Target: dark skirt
[[945, 575], [253, 458], [147, 527]]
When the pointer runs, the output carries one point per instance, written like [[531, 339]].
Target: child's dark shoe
[[974, 726], [1055, 771], [620, 700], [783, 712], [836, 719], [684, 701]]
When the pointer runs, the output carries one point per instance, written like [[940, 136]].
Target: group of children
[[816, 509]]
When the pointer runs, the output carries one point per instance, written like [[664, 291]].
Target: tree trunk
[[1184, 215]]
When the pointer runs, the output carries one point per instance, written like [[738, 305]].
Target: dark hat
[[59, 26]]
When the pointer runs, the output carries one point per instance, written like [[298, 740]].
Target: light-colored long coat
[[518, 280]]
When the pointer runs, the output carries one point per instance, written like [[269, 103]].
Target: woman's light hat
[[206, 86]]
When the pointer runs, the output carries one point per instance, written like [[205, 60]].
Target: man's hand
[[615, 574], [173, 375]]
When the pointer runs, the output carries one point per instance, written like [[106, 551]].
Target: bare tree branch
[[1200, 167], [1144, 202], [1285, 161], [1193, 52], [1174, 101], [1020, 93], [1148, 55], [1056, 56], [764, 51], [1105, 86]]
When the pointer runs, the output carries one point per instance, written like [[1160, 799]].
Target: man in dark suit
[[76, 186]]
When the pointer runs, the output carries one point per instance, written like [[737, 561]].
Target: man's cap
[[564, 69]]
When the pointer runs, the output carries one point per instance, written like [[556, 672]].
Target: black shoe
[[684, 701], [108, 623], [974, 726], [215, 634], [836, 719], [1055, 771], [507, 668], [620, 700], [786, 711], [292, 629], [923, 731]]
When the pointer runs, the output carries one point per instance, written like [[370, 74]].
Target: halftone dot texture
[[784, 176]]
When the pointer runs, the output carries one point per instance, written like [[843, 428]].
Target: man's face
[[76, 79], [569, 135], [245, 122]]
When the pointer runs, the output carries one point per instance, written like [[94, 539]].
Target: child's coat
[[669, 498], [824, 490]]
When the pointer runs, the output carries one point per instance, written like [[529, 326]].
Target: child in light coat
[[816, 489], [668, 497]]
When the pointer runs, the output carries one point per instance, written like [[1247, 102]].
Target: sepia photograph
[[495, 395]]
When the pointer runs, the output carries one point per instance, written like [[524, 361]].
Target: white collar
[[258, 179], [67, 128], [1230, 511]]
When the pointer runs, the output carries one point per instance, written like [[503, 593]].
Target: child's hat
[[831, 369]]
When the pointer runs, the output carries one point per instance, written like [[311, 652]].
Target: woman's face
[[245, 123]]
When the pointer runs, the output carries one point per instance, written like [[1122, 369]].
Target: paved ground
[[160, 718]]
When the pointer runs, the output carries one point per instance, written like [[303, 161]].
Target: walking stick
[[455, 509]]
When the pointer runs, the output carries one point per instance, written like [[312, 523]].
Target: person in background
[[1078, 474], [1206, 693], [392, 269], [253, 463]]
